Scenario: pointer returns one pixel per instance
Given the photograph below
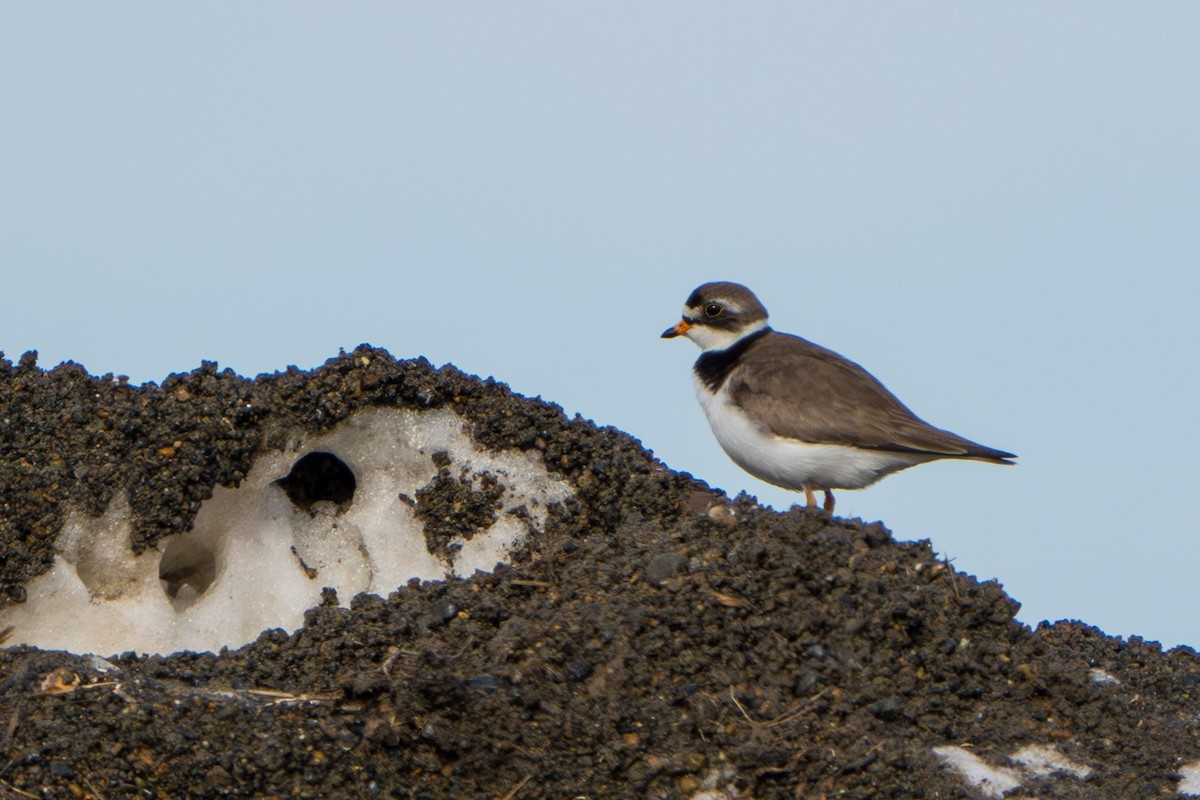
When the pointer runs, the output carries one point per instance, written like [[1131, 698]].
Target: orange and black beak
[[679, 330]]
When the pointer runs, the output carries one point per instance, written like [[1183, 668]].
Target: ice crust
[[1033, 761], [1041, 760], [1189, 780], [991, 781], [242, 568]]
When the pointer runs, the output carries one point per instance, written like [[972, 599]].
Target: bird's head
[[718, 315]]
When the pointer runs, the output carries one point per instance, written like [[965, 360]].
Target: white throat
[[708, 339]]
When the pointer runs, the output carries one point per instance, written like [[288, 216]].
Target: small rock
[[722, 514], [483, 683], [443, 610], [101, 665], [665, 566], [805, 683], [887, 709], [578, 669]]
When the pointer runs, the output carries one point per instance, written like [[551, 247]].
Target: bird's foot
[[810, 498]]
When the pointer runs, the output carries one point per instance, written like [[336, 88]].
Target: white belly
[[790, 463]]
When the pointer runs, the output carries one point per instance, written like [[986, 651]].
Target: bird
[[796, 414]]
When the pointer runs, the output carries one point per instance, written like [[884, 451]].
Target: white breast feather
[[791, 463]]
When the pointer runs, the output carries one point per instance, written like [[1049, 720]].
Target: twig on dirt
[[783, 718], [10, 730], [463, 649], [791, 715], [530, 582], [93, 789], [513, 791], [5, 786], [740, 707], [953, 580], [727, 600], [394, 653], [288, 697], [389, 658]]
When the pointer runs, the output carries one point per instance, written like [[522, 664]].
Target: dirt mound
[[655, 640]]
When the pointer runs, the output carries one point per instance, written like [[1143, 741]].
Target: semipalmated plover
[[796, 414]]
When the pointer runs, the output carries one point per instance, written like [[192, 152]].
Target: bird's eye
[[713, 310]]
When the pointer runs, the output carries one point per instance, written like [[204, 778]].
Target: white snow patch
[[1100, 676], [1041, 760], [240, 570], [991, 781], [1033, 761], [1189, 780]]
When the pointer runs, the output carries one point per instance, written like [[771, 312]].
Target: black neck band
[[714, 366]]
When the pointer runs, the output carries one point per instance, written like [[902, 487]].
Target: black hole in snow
[[318, 477], [188, 567]]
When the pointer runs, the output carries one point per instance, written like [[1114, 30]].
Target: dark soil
[[656, 640], [451, 509]]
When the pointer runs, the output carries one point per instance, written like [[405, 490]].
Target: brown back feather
[[832, 400]]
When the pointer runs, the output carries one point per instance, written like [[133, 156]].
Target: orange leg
[[810, 498], [828, 501]]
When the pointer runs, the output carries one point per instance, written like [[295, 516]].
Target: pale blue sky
[[994, 207]]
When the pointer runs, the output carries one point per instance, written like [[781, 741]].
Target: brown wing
[[831, 400]]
